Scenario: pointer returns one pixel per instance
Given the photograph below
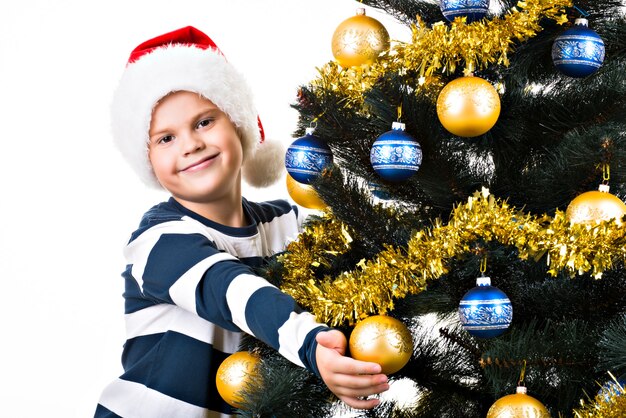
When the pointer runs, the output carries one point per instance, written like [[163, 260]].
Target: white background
[[69, 202]]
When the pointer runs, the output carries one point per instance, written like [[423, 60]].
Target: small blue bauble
[[485, 311], [579, 51], [395, 155], [473, 10], [306, 157]]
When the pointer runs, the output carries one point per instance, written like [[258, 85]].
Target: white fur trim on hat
[[175, 68], [267, 166]]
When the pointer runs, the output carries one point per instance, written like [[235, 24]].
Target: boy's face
[[194, 149]]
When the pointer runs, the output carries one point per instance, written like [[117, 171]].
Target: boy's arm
[[262, 310]]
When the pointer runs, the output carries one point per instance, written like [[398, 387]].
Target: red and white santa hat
[[187, 59]]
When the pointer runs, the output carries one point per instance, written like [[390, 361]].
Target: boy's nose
[[191, 143]]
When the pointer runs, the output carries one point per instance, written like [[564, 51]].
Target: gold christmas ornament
[[359, 40], [304, 195], [519, 405], [468, 106], [383, 340], [595, 206], [237, 371]]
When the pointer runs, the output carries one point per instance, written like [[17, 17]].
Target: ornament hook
[[606, 173], [483, 266], [522, 375]]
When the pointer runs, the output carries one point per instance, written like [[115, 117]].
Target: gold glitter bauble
[[237, 371], [304, 195], [383, 340], [359, 40], [468, 106], [519, 405], [595, 206]]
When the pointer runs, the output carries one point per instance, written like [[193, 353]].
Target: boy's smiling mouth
[[200, 164]]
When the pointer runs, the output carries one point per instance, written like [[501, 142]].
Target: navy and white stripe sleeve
[[178, 262]]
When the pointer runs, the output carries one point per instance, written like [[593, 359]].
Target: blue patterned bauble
[[395, 155], [306, 157], [473, 10], [485, 311], [579, 51]]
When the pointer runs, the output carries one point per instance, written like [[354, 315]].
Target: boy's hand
[[351, 380]]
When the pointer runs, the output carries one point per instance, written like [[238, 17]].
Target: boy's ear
[[266, 165]]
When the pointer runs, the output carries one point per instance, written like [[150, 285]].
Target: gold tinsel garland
[[443, 48], [397, 272]]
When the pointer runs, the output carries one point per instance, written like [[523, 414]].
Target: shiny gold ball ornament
[[595, 206], [304, 195], [468, 106], [383, 340], [519, 405], [237, 371], [359, 40]]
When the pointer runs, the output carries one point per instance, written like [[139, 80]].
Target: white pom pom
[[266, 166]]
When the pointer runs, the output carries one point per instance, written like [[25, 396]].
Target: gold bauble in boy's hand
[[595, 206], [383, 340], [304, 195], [359, 40], [468, 106], [238, 370], [519, 405]]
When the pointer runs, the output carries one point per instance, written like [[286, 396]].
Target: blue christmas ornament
[[579, 51], [473, 10], [485, 311], [306, 157], [395, 155]]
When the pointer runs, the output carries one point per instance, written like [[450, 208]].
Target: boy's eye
[[204, 122], [166, 139]]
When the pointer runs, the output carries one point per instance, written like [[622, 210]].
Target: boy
[[184, 119]]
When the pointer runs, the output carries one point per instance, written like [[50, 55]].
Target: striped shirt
[[190, 293]]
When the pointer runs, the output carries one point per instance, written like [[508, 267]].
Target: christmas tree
[[511, 116]]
